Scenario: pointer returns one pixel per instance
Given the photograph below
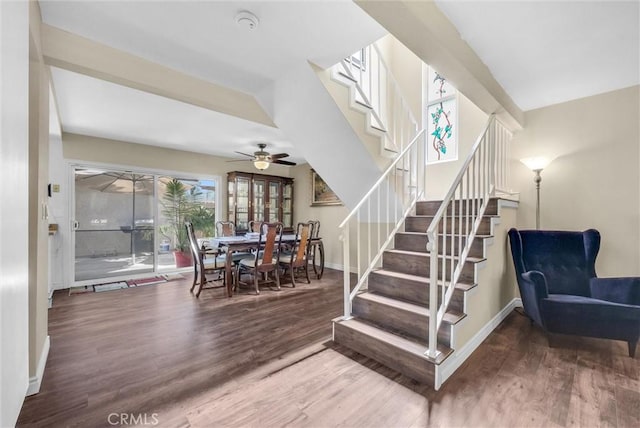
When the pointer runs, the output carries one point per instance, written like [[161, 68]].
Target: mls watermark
[[123, 419]]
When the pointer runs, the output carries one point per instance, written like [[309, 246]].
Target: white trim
[[451, 364], [35, 381]]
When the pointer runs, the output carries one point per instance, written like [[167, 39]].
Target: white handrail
[[482, 172], [400, 187]]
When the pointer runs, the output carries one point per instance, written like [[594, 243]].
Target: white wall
[[14, 287], [594, 180]]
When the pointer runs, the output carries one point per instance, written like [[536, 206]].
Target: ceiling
[[541, 53], [547, 52], [203, 40]]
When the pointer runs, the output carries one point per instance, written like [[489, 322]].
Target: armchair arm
[[533, 288], [617, 290], [537, 284]]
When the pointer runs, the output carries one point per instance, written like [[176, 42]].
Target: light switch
[[56, 188]]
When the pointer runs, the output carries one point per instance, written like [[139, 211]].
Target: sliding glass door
[[129, 224], [114, 227]]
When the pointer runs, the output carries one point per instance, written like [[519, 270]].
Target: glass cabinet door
[[242, 201], [287, 205], [258, 199], [274, 201]]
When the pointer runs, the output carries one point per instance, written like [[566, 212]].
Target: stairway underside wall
[[301, 107]]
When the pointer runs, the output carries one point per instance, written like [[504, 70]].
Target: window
[[130, 223], [441, 118]]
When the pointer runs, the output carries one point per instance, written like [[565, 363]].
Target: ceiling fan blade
[[281, 162], [240, 153], [240, 160], [279, 156]]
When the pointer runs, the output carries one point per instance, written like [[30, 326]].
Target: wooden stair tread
[[425, 280], [440, 234], [449, 217], [450, 317], [426, 255], [396, 341]]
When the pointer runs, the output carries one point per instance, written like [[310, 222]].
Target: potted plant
[[177, 207], [203, 220]]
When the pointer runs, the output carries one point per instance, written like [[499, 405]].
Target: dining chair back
[[225, 228], [204, 261], [266, 259], [299, 257]]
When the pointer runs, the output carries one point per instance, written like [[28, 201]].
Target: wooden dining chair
[[316, 249], [205, 262], [225, 228], [254, 226], [266, 259], [299, 257]]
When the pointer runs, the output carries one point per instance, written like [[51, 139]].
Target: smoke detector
[[247, 20]]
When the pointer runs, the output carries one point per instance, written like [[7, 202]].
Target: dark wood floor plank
[[264, 361]]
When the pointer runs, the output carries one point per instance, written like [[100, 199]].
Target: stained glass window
[[442, 119]]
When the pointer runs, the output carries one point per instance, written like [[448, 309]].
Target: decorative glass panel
[[438, 87], [442, 131]]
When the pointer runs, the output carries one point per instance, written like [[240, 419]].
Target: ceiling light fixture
[[261, 162], [247, 20]]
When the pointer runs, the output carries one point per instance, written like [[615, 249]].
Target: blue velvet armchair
[[561, 293]]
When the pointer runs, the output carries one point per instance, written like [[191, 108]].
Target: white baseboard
[[35, 381], [452, 363]]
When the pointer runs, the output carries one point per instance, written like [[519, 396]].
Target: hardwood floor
[[156, 352]]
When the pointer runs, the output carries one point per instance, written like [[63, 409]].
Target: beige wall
[[594, 180], [406, 68], [38, 199], [497, 285], [472, 121], [330, 216], [100, 150]]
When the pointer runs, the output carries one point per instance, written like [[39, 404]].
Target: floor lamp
[[536, 164]]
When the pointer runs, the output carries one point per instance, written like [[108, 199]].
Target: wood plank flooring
[[264, 361]]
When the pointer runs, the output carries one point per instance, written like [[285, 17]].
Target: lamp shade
[[261, 164], [537, 163]]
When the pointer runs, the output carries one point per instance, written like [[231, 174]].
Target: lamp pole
[[537, 179]]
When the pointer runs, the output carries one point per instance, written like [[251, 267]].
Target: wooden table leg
[[228, 277]]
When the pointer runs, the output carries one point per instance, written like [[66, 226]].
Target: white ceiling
[[542, 53], [201, 39], [547, 52], [98, 108]]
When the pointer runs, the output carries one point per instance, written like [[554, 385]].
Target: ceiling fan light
[[261, 164]]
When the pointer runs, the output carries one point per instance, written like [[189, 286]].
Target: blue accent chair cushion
[[561, 292]]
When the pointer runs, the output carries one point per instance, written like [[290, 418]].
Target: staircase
[[390, 319], [373, 102], [417, 262]]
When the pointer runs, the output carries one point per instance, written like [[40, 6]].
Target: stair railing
[[455, 225], [378, 89], [370, 227]]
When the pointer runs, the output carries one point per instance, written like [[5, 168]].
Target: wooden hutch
[[259, 197]]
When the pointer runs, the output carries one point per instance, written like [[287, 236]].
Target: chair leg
[[195, 279], [292, 271], [255, 281], [203, 280], [632, 348], [277, 277], [306, 271]]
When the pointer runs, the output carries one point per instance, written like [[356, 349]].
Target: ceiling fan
[[262, 159]]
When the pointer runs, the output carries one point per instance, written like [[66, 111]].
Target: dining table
[[242, 243]]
